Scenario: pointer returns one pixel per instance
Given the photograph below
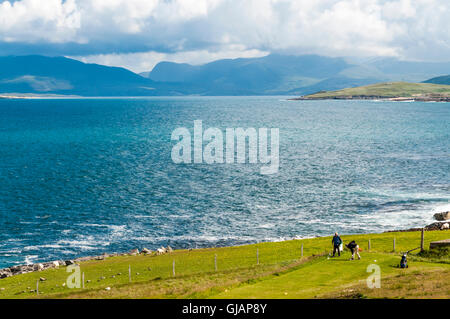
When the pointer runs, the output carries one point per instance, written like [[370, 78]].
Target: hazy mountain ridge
[[273, 74], [439, 80], [278, 74], [60, 75]]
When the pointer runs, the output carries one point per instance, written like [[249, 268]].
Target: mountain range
[[273, 74], [439, 80]]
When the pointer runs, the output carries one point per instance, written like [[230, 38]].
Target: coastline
[[377, 98], [36, 267]]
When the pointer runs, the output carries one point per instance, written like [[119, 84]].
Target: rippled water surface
[[87, 176]]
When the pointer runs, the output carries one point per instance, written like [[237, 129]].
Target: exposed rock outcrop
[[22, 269], [442, 216]]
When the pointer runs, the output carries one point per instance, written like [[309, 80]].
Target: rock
[[435, 226], [169, 249], [108, 288], [146, 251], [42, 279], [16, 269], [445, 226], [442, 216], [440, 244], [161, 251], [88, 281], [87, 258], [69, 262], [134, 252], [49, 265], [5, 273]]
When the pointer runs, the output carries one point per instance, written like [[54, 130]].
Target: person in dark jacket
[[337, 241], [354, 248]]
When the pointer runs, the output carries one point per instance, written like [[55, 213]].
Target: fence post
[[129, 273], [257, 256], [173, 267], [369, 244], [83, 279], [302, 250], [422, 240], [394, 245]]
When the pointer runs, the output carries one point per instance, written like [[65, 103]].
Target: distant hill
[[439, 80], [390, 90], [60, 75], [273, 74], [296, 75]]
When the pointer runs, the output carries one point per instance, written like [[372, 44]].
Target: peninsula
[[391, 91]]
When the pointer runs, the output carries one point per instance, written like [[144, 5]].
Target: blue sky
[[137, 34]]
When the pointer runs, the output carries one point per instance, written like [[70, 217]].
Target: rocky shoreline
[[443, 223], [23, 269], [420, 98]]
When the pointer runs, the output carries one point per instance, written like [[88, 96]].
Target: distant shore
[[423, 98], [389, 91]]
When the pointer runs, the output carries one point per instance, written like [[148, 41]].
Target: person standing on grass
[[354, 248], [337, 241]]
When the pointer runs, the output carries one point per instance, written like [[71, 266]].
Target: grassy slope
[[389, 89], [280, 274]]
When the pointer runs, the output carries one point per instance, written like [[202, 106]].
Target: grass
[[386, 90], [281, 272], [425, 283]]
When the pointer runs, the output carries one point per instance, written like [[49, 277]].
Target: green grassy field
[[280, 273], [389, 89]]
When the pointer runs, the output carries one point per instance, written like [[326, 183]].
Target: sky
[[137, 34]]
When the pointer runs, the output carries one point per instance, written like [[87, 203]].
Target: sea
[[86, 176]]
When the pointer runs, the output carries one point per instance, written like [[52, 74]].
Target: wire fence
[[209, 261]]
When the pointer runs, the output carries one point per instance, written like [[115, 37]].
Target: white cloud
[[116, 29], [145, 61], [34, 20]]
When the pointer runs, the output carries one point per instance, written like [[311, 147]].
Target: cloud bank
[[124, 31]]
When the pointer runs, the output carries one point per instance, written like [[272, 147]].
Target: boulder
[[442, 216], [15, 269], [146, 251], [49, 265], [69, 262], [161, 251], [445, 226], [42, 279], [435, 226], [169, 249], [134, 252], [440, 244], [5, 273]]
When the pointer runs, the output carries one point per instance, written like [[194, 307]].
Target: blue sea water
[[86, 176]]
